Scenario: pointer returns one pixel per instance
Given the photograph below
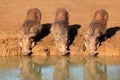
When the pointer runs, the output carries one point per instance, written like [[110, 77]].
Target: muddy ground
[[13, 12]]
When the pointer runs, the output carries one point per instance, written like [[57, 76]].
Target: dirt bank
[[12, 15]]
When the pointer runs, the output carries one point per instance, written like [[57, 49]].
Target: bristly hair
[[27, 25], [95, 24], [63, 25]]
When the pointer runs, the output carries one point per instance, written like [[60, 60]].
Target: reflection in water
[[61, 71], [9, 68], [93, 70], [59, 68], [28, 71], [113, 72]]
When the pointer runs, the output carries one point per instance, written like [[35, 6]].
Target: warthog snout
[[63, 47], [27, 43], [90, 44]]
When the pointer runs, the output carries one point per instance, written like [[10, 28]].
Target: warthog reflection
[[93, 70], [61, 71], [28, 70]]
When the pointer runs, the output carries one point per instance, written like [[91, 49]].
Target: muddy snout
[[91, 45], [63, 48], [93, 53], [92, 49], [64, 52], [27, 50]]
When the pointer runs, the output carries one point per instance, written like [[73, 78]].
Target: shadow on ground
[[45, 31], [73, 30], [110, 32]]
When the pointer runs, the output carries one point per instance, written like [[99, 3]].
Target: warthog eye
[[31, 39]]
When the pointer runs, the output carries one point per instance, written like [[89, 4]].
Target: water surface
[[60, 68]]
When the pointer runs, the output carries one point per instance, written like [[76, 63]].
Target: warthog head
[[63, 45], [26, 42], [91, 44]]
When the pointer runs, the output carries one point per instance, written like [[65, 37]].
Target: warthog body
[[60, 30], [30, 28], [62, 15], [96, 29]]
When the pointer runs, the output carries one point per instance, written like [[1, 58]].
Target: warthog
[[30, 29], [96, 29], [60, 30]]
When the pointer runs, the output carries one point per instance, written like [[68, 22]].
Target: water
[[60, 68]]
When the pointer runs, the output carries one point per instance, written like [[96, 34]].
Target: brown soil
[[13, 12]]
